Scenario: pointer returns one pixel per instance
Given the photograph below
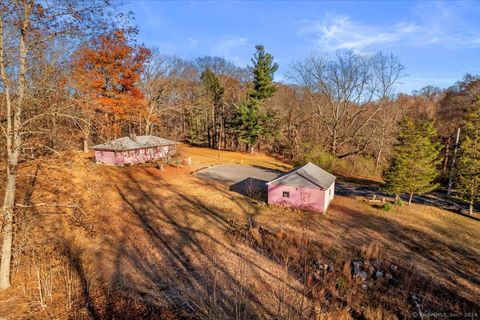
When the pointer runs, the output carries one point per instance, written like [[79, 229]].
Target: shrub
[[342, 283], [351, 166], [386, 207]]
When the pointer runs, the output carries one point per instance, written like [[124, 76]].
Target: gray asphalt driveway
[[234, 173], [247, 180]]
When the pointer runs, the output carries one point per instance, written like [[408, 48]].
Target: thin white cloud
[[340, 32], [192, 43], [151, 17], [422, 81], [229, 46], [334, 32], [229, 43]]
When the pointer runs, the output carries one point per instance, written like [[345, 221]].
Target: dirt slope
[[143, 242]]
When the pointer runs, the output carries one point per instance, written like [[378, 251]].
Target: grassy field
[[95, 241]]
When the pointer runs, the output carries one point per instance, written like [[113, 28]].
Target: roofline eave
[[309, 180], [129, 149]]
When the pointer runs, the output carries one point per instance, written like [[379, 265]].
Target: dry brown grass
[[439, 251], [142, 242], [202, 157]]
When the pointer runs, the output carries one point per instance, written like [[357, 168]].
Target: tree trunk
[[410, 199], [221, 134], [334, 142], [452, 166], [53, 138], [148, 122], [13, 138], [208, 137], [470, 209], [447, 155], [219, 140], [380, 150], [85, 145], [377, 161], [148, 128], [86, 135], [224, 134], [214, 129], [7, 209]]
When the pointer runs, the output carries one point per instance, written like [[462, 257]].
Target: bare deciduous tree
[[344, 89], [162, 82], [26, 26]]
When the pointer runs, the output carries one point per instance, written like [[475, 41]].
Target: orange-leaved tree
[[106, 72]]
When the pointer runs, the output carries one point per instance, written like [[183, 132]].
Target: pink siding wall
[[108, 157], [303, 198], [133, 156]]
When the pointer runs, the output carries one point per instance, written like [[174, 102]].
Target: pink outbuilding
[[308, 187], [134, 149]]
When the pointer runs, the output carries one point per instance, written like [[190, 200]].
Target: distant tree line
[[341, 106]]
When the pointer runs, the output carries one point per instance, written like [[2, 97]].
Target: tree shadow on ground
[[428, 266], [169, 252], [270, 170], [451, 260]]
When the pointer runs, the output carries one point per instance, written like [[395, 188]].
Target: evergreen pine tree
[[263, 70], [468, 166], [413, 169], [251, 122], [212, 87], [248, 123]]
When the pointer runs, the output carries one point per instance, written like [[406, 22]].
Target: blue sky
[[437, 41]]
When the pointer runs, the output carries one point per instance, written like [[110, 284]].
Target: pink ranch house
[[308, 187], [133, 149]]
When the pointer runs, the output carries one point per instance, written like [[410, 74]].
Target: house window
[[286, 194]]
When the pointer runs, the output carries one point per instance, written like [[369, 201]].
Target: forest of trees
[[346, 105], [73, 75]]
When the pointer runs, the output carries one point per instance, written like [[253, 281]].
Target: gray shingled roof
[[307, 176], [127, 143]]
